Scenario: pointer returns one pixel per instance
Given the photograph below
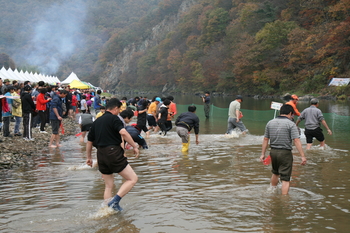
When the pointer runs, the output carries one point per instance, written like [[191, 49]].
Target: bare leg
[[57, 137], [51, 140], [131, 179], [274, 180], [109, 183], [285, 187], [308, 146], [323, 143], [156, 129], [82, 136], [70, 113]]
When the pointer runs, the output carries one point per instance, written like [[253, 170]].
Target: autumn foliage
[[245, 46]]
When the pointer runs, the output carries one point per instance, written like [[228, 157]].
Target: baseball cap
[[239, 97], [27, 88], [158, 99], [6, 80]]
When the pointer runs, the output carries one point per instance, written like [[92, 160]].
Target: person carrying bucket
[[281, 132], [184, 124]]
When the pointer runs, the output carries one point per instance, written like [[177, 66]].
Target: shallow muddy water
[[219, 186]]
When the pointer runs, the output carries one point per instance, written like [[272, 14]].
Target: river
[[219, 186]]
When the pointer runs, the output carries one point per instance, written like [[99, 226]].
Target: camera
[[202, 96]]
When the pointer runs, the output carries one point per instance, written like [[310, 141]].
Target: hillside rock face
[[110, 80]]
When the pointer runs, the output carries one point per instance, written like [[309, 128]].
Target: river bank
[[15, 151]]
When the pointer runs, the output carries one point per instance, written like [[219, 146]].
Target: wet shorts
[[111, 159], [282, 163], [55, 125], [151, 120], [86, 127], [314, 133]]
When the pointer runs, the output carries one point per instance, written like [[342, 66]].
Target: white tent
[[18, 75], [24, 76], [70, 78], [3, 74]]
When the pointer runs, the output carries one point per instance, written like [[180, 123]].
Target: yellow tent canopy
[[78, 84]]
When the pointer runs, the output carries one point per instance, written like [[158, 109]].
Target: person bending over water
[[127, 115], [184, 123]]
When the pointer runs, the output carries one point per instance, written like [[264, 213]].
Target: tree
[[6, 61], [274, 34]]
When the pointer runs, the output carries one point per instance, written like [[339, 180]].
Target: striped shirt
[[281, 131]]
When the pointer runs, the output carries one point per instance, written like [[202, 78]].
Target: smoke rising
[[56, 35]]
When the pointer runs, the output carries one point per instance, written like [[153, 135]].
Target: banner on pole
[[276, 105]]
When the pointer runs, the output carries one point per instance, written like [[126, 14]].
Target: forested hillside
[[248, 46], [245, 46]]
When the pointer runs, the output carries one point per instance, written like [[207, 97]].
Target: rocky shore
[[14, 151]]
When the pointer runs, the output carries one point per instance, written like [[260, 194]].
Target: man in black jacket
[[28, 108], [184, 124]]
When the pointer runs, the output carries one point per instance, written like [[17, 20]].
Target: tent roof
[[24, 76], [70, 78], [78, 84]]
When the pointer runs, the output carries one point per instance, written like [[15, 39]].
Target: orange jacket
[[172, 111], [291, 103]]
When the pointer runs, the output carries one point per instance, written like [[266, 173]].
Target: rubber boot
[[185, 147]]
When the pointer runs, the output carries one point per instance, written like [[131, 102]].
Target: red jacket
[[41, 102]]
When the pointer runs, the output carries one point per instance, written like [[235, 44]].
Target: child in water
[[102, 111], [162, 116], [142, 118], [127, 115], [85, 122]]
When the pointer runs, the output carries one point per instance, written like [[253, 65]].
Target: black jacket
[[188, 120], [28, 105]]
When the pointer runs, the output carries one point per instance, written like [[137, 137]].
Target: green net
[[255, 120], [222, 113]]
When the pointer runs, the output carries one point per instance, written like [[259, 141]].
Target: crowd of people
[[38, 105]]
